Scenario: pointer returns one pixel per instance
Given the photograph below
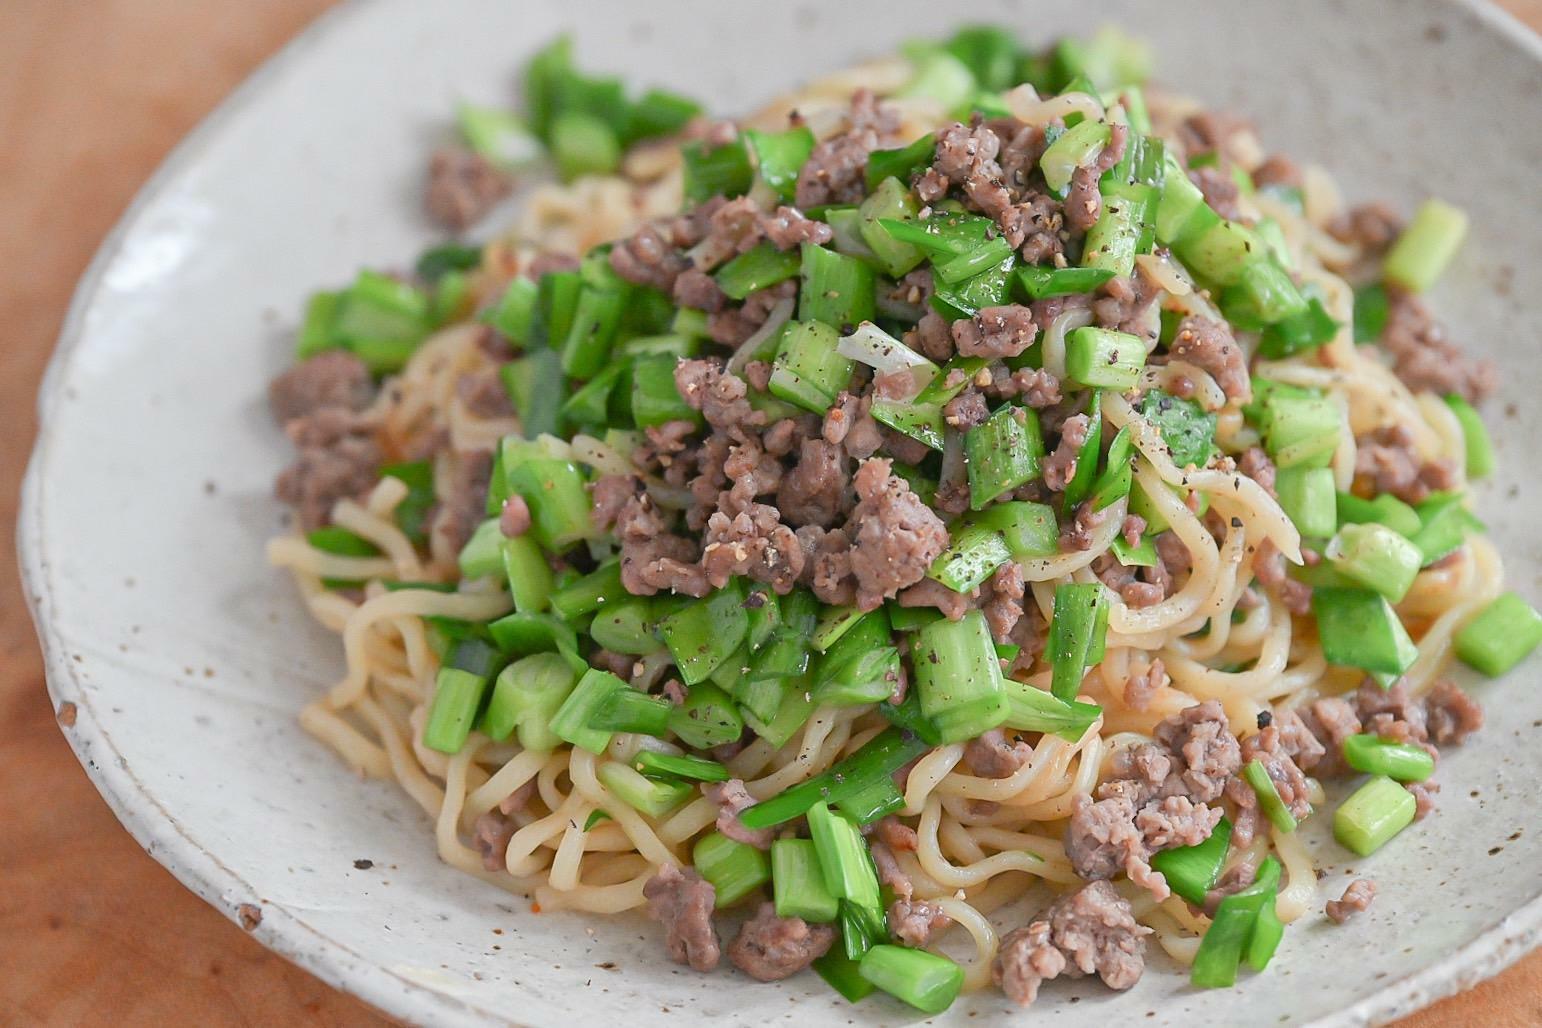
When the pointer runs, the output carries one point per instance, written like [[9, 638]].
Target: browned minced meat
[[1296, 738], [889, 871], [695, 288], [1091, 931], [788, 228], [682, 901], [733, 227], [835, 171], [1452, 715], [1393, 712], [482, 393], [462, 187], [1084, 202], [1256, 464], [1140, 688], [1425, 359], [931, 593], [735, 323], [1137, 587], [1037, 387], [1424, 798], [966, 410], [1331, 719], [1220, 190], [1077, 534], [814, 492], [1232, 881], [751, 541], [490, 838], [769, 948], [995, 332], [732, 798], [720, 395], [1004, 605], [894, 536], [1387, 459], [338, 458], [931, 337], [1125, 304], [610, 493], [1277, 170], [850, 425], [993, 755], [334, 378], [1371, 226], [1209, 345], [914, 921], [1060, 465], [1116, 834], [895, 834], [1210, 131], [618, 664], [462, 499], [652, 558], [1204, 751], [648, 259], [1269, 569], [514, 517], [1288, 780], [1357, 897]]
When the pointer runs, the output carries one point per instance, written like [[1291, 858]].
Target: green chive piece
[[1368, 819], [1501, 636]]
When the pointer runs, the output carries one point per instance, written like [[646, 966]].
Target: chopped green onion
[[1501, 636], [1002, 453], [596, 318], [837, 290], [883, 755], [1104, 358], [523, 633], [667, 765], [1041, 282], [438, 261], [756, 269], [1368, 819], [734, 869], [877, 800], [901, 163], [1227, 940], [843, 974], [966, 299], [707, 718], [1192, 871], [702, 634], [862, 667], [583, 145], [1307, 498], [975, 550], [1371, 311], [1401, 761], [1079, 607], [589, 593], [626, 627], [1426, 246], [382, 320], [793, 713], [958, 677], [832, 623], [574, 720], [649, 795], [556, 301], [1141, 555], [529, 575], [1479, 447], [1078, 147], [458, 694], [1086, 472], [315, 333], [535, 386], [1115, 238], [1186, 429], [1269, 796], [1114, 483], [966, 265], [926, 981], [778, 158], [514, 312], [1296, 333], [716, 170], [798, 884], [941, 236], [555, 491], [1031, 709], [632, 711], [655, 399], [1358, 628], [890, 200], [659, 113], [1220, 251], [920, 421], [1029, 529], [809, 370], [937, 75], [843, 857], [1385, 509], [1301, 429], [1376, 557], [1443, 526]]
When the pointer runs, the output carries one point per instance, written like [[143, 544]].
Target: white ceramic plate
[[148, 499]]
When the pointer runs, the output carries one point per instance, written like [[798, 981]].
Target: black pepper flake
[[1265, 719]]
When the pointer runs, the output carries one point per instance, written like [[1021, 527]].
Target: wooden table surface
[[93, 93]]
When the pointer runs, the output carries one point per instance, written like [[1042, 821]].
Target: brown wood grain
[[93, 93]]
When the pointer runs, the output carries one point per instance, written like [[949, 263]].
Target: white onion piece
[[1025, 105], [599, 456], [1054, 338], [880, 351], [780, 314]]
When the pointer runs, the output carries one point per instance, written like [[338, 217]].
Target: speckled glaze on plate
[[148, 499]]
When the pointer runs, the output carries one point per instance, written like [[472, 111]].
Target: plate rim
[[281, 931]]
